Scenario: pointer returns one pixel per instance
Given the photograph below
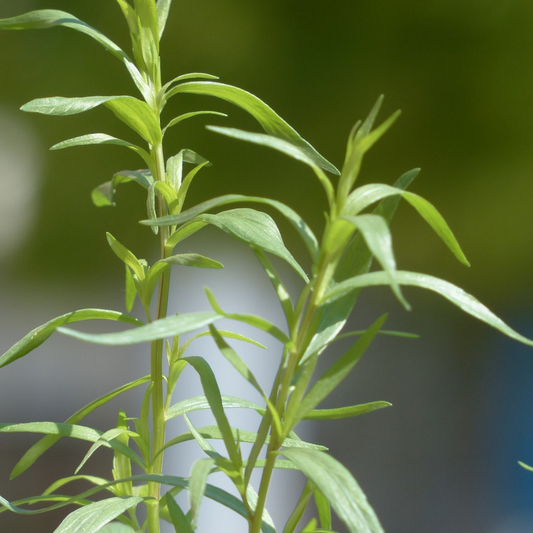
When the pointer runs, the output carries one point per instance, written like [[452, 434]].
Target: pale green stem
[[158, 410]]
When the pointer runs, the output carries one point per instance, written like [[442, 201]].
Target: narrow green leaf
[[356, 259], [130, 288], [126, 256], [197, 485], [213, 432], [345, 412], [73, 431], [256, 229], [284, 147], [271, 122], [338, 371], [48, 18], [163, 8], [184, 189], [116, 527], [297, 222], [103, 194], [252, 320], [368, 194], [91, 518], [192, 114], [377, 236], [59, 106], [104, 439], [98, 481], [148, 16], [212, 393], [454, 294], [299, 510], [175, 165], [133, 112], [37, 336], [179, 520], [189, 76], [231, 355], [138, 115], [339, 488], [47, 442], [324, 510], [101, 138], [159, 329], [200, 402], [281, 291]]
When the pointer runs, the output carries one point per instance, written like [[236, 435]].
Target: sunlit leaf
[[48, 18], [163, 8], [271, 122], [285, 147], [116, 527], [338, 487], [256, 229], [454, 294], [356, 259], [369, 194], [101, 138], [192, 114], [297, 222], [377, 236], [159, 329], [37, 336]]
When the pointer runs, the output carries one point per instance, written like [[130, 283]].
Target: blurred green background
[[460, 71]]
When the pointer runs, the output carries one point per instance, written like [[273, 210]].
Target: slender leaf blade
[[256, 229], [451, 292], [339, 487], [47, 442], [271, 122], [159, 329], [297, 222], [92, 517], [38, 335]]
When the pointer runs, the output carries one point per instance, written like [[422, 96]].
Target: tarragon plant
[[356, 232]]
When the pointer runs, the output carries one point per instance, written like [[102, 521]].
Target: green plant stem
[[158, 410]]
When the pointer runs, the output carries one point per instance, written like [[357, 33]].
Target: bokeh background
[[444, 458]]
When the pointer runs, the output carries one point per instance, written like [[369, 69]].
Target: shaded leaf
[[92, 517], [345, 412], [179, 520], [73, 431], [38, 335], [47, 442], [200, 402], [329, 381], [197, 485], [192, 114], [103, 194], [339, 488]]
